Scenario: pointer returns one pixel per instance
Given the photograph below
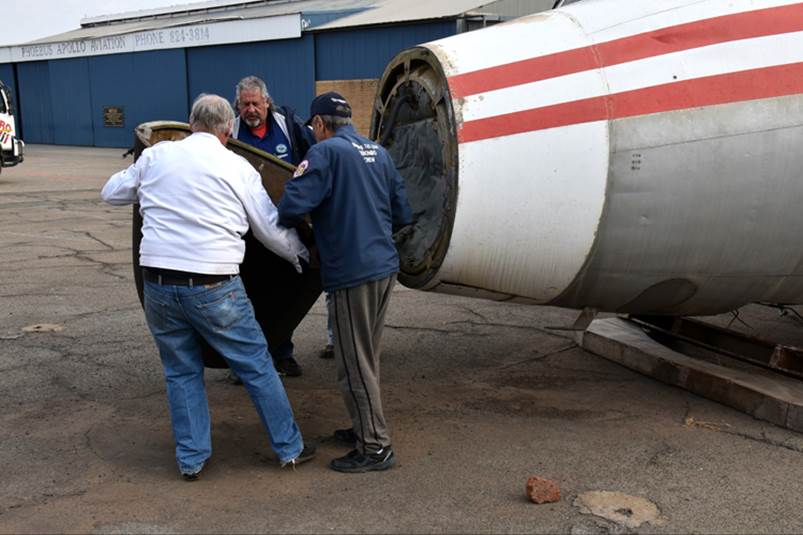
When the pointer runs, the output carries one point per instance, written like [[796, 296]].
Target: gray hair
[[332, 123], [249, 83], [212, 114]]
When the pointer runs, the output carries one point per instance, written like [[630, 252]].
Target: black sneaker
[[346, 436], [307, 454], [327, 353], [355, 462], [194, 476], [287, 366]]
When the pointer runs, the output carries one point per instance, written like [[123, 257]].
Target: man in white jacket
[[197, 199]]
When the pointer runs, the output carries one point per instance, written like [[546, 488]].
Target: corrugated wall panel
[[36, 106], [286, 66], [71, 98], [364, 52], [517, 8], [148, 86]]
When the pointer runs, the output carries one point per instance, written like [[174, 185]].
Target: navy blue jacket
[[356, 199], [301, 138]]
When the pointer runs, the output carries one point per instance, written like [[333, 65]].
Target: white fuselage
[[629, 156]]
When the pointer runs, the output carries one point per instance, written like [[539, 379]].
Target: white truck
[[11, 147]]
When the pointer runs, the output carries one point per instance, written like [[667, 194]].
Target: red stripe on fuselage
[[708, 91], [750, 24]]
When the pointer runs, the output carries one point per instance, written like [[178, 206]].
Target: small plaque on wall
[[114, 116]]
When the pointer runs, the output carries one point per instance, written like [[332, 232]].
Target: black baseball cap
[[329, 103]]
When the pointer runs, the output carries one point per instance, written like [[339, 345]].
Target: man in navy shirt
[[280, 132], [356, 199], [262, 124]]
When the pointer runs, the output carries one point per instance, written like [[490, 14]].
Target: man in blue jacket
[[356, 199], [267, 126], [276, 130]]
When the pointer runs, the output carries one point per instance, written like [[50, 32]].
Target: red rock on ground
[[541, 490]]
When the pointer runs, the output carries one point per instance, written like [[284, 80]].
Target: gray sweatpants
[[359, 318]]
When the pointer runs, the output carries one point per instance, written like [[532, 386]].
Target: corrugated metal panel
[[368, 12], [238, 7], [395, 11], [169, 10], [278, 9], [286, 66], [364, 53], [156, 88], [70, 95], [310, 21], [517, 8], [36, 106], [347, 13]]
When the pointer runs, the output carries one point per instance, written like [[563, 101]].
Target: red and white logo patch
[[301, 168]]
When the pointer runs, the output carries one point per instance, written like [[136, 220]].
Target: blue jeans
[[178, 316]]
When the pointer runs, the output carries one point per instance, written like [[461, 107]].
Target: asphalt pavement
[[479, 396]]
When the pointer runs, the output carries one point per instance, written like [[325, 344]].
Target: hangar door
[[98, 101], [54, 101], [134, 88]]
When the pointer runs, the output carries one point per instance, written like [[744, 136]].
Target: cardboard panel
[[359, 93]]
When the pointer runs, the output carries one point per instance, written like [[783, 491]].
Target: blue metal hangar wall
[[93, 85]]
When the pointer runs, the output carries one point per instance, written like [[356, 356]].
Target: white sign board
[[216, 33]]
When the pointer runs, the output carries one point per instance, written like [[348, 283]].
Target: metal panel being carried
[[642, 160], [280, 296]]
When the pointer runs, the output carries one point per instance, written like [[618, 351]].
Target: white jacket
[[197, 199]]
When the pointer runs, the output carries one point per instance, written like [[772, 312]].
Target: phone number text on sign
[[189, 35]]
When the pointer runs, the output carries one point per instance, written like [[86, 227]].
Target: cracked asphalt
[[479, 395]]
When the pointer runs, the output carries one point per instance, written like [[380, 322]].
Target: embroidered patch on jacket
[[301, 168]]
